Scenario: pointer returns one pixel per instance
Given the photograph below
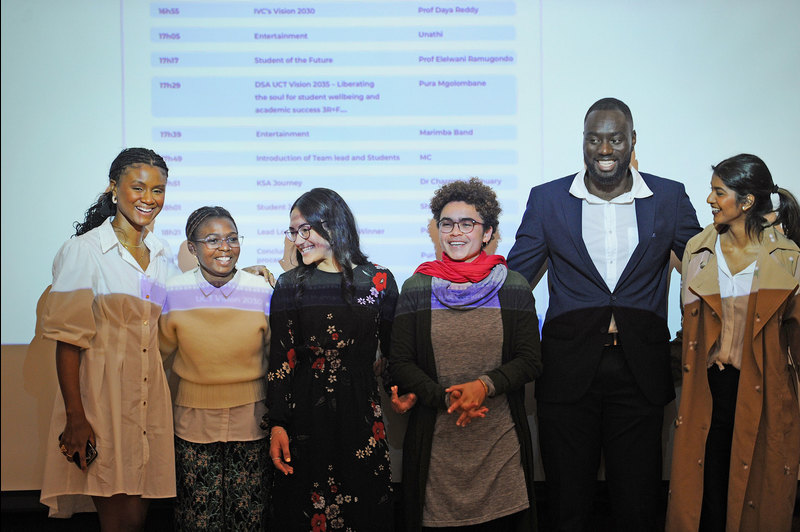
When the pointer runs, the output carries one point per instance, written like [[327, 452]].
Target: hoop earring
[[114, 199]]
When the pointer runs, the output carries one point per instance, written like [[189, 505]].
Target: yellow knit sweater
[[220, 337]]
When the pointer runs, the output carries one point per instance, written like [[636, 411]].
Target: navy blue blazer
[[581, 304]]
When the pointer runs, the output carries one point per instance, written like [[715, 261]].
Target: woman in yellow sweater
[[215, 321]]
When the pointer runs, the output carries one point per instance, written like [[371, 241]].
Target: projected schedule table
[[254, 103]]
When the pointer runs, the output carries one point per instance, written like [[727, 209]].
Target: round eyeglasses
[[304, 231], [465, 225], [214, 242]]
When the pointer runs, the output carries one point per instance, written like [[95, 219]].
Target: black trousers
[[724, 386], [614, 418]]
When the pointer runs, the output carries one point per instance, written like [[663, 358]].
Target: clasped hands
[[466, 398]]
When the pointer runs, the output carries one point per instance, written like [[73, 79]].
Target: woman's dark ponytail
[[105, 207], [789, 215]]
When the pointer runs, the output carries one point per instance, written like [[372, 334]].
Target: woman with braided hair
[[215, 323], [102, 311]]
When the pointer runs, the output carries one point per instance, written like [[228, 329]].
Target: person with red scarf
[[465, 341]]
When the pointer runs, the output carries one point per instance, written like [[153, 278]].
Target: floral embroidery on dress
[[379, 280], [330, 509], [318, 523], [378, 430], [378, 436], [326, 359]]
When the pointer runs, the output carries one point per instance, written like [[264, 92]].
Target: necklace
[[120, 234]]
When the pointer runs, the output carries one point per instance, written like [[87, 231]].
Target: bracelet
[[485, 387]]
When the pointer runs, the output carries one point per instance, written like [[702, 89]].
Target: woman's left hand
[[263, 271], [468, 398], [404, 403], [279, 450]]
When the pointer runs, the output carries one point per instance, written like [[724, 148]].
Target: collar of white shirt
[[207, 288], [639, 189], [108, 239]]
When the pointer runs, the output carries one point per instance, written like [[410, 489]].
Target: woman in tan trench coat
[[737, 437]]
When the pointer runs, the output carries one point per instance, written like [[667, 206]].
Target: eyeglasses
[[465, 225], [304, 231], [213, 242]]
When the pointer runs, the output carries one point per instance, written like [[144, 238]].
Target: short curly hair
[[473, 192]]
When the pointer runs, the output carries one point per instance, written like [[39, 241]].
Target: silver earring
[[114, 199]]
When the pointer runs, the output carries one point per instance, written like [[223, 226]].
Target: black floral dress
[[323, 391]]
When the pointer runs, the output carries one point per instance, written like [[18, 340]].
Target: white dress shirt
[[609, 228]]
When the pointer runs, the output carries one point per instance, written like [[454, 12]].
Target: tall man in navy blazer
[[606, 234]]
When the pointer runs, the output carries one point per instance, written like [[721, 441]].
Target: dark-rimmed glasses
[[304, 231], [465, 225], [213, 242]]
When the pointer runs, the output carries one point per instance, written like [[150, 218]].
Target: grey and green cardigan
[[413, 369]]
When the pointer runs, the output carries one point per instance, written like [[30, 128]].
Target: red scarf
[[461, 272]]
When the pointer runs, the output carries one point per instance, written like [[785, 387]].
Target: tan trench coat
[[765, 453]]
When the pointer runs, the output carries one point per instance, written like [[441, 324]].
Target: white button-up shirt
[[609, 227]]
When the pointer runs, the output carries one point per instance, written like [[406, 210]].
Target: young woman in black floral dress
[[328, 317]]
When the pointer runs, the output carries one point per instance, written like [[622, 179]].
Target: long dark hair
[[105, 208], [332, 219], [748, 174]]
